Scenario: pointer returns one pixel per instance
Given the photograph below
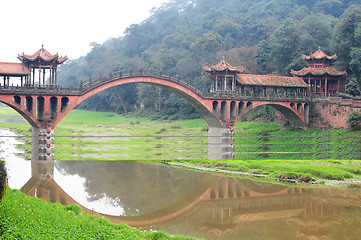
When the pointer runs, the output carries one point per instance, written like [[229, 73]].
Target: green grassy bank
[[24, 217]]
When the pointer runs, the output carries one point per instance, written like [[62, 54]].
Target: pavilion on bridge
[[321, 77], [38, 69], [226, 79]]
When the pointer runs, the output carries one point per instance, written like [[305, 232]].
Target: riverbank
[[25, 217], [323, 172]]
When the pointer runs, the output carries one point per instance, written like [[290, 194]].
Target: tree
[[284, 44], [209, 42], [354, 119], [315, 30], [347, 38], [353, 87]]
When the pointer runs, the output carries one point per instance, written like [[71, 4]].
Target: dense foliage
[[3, 180], [354, 119], [24, 217], [265, 36]]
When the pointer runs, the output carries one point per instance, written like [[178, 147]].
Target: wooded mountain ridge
[[264, 36]]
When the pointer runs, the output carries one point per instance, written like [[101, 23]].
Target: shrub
[[3, 180], [354, 119]]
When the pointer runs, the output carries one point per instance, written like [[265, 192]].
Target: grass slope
[[24, 217]]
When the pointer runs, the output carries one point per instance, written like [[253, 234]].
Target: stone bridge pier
[[220, 143], [42, 143]]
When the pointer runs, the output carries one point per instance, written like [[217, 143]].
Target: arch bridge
[[44, 106]]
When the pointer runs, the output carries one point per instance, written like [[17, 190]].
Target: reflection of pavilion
[[222, 207]]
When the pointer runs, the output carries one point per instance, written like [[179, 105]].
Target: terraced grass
[[270, 141], [140, 138]]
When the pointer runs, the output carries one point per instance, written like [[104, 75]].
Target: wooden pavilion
[[41, 63], [321, 77]]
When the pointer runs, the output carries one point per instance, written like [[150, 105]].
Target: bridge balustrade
[[92, 82]]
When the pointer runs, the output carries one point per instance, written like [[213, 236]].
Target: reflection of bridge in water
[[218, 206]]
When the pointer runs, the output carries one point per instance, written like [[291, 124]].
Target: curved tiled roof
[[318, 71], [270, 80], [13, 69], [319, 54], [223, 66], [43, 55]]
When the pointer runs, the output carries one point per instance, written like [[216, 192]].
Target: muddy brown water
[[154, 196]]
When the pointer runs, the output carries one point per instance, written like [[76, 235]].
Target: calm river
[[153, 196]]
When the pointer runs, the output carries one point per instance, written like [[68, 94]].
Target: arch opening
[[306, 112], [240, 108], [17, 100], [224, 111], [299, 108], [230, 188], [64, 103], [29, 104], [53, 107], [233, 112], [185, 92], [292, 105], [290, 114], [40, 106], [215, 107]]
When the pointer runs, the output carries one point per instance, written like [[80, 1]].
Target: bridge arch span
[[23, 106], [202, 105], [295, 112]]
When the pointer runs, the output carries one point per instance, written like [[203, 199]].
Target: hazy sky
[[65, 26]]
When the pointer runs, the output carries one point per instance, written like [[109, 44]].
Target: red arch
[[284, 107], [201, 104], [31, 118]]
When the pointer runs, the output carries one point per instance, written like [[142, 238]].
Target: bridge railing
[[103, 78], [93, 82], [40, 89], [253, 97]]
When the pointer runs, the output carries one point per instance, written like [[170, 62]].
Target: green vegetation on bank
[[24, 217], [254, 140], [303, 171]]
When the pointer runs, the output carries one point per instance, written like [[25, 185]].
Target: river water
[[154, 196]]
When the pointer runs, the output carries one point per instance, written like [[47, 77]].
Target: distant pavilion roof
[[13, 69], [223, 66], [270, 80], [42, 55], [318, 71], [319, 54]]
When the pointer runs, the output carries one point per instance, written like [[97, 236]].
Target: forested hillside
[[265, 36]]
